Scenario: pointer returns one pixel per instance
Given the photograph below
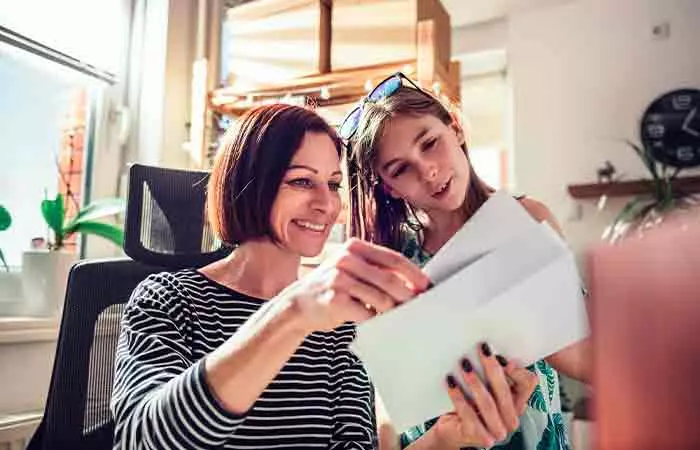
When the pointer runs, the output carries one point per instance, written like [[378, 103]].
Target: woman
[[241, 354], [413, 189]]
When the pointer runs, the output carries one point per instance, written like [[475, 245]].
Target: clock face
[[671, 128]]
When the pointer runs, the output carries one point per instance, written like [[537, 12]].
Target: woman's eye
[[335, 186], [301, 182]]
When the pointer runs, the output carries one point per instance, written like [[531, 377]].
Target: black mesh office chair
[[165, 229]]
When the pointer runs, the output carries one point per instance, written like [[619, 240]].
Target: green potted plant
[[5, 222], [649, 210], [45, 271], [85, 222]]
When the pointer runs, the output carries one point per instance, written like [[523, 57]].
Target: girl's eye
[[301, 182], [399, 171], [335, 186], [429, 143]]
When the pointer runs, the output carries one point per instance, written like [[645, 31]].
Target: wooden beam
[[345, 86], [426, 54]]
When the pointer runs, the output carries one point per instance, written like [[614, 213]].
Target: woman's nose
[[323, 198]]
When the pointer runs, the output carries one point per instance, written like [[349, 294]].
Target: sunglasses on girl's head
[[381, 91]]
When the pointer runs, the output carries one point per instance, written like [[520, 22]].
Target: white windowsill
[[12, 420], [28, 329]]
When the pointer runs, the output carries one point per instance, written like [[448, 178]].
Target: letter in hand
[[491, 409], [362, 280]]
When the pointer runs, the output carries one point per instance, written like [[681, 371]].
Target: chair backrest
[[165, 230], [165, 218]]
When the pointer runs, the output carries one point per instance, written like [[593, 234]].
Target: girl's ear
[[459, 131]]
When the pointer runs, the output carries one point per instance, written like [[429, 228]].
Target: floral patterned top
[[542, 426]]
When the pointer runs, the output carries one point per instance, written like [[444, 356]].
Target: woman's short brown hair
[[250, 165]]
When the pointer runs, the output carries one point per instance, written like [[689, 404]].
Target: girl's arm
[[573, 361]]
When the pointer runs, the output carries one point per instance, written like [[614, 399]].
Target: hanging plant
[[649, 210]]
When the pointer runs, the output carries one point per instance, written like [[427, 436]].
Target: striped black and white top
[[322, 398]]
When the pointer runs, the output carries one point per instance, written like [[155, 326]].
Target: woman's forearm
[[240, 369]]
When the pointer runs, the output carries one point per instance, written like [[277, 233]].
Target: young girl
[[413, 188], [240, 354]]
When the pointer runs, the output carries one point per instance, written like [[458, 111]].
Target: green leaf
[[5, 218], [54, 214], [628, 212], [550, 376], [646, 158], [4, 263], [650, 164], [548, 441], [537, 400], [560, 430], [554, 435], [110, 232], [97, 210]]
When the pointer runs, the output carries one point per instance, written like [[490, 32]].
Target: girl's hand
[[361, 281], [491, 411]]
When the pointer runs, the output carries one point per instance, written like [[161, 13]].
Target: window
[[62, 71], [485, 93], [45, 127]]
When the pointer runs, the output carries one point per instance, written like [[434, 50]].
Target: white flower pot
[[44, 280], [11, 298]]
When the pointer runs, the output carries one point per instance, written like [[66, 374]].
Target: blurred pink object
[[38, 243], [645, 296]]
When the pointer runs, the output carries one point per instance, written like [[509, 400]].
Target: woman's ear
[[389, 191]]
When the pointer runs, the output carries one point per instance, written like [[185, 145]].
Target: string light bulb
[[368, 85], [325, 93]]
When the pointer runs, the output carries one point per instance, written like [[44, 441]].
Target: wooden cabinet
[[271, 41], [327, 53], [371, 32]]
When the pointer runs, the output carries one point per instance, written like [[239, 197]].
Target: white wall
[[178, 79], [486, 36], [160, 77], [582, 74]]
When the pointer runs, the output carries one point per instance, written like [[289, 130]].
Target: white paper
[[522, 296], [499, 219]]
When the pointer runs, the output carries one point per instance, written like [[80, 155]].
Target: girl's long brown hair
[[375, 216]]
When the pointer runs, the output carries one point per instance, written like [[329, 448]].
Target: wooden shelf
[[688, 185], [426, 37], [345, 86]]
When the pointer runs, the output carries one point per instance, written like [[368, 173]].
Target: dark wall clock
[[670, 127]]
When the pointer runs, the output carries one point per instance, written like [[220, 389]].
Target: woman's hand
[[361, 281], [492, 410]]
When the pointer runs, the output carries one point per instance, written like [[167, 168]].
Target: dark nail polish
[[451, 382], [502, 360], [486, 350], [467, 365]]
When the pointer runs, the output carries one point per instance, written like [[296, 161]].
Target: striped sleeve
[[354, 421], [161, 399]]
